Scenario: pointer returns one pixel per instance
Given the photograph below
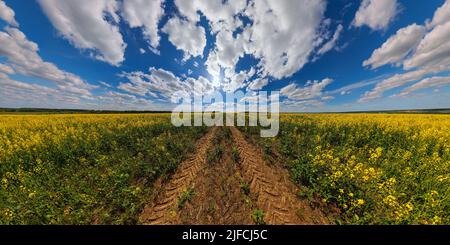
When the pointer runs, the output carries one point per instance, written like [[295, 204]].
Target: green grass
[[258, 216], [85, 173], [245, 187], [185, 197]]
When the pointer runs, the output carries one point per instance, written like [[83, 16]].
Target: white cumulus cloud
[[282, 42], [311, 90], [258, 84], [430, 82], [422, 50], [6, 69], [221, 15], [376, 14], [332, 42], [433, 50], [396, 81], [145, 14], [22, 56], [442, 14], [88, 25], [7, 14], [397, 46], [164, 83], [186, 36]]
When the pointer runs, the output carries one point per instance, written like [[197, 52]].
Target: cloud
[[122, 95], [7, 14], [295, 105], [186, 36], [376, 14], [22, 56], [89, 25], [6, 69], [105, 84], [163, 83], [281, 42], [237, 80], [424, 52], [227, 52], [274, 37], [327, 97], [441, 15], [417, 46], [397, 47], [430, 82], [8, 83], [433, 49], [221, 15], [396, 81], [145, 14], [133, 88], [348, 88], [23, 94], [16, 93], [311, 90], [258, 84], [113, 100], [331, 43]]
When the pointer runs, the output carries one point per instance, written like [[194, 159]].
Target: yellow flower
[[379, 150], [360, 202], [409, 206], [436, 220]]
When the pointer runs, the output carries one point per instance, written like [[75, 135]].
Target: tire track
[[218, 198], [163, 210], [275, 193]]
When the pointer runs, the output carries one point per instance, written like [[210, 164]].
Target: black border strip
[[167, 234]]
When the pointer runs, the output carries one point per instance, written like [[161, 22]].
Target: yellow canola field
[[377, 168]]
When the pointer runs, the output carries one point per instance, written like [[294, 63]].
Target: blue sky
[[322, 55]]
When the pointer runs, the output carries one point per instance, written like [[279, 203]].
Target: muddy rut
[[276, 194], [207, 188], [163, 210], [218, 198]]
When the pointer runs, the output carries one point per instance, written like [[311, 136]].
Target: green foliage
[[235, 154], [245, 187], [84, 169], [258, 216], [185, 196], [378, 169], [214, 155]]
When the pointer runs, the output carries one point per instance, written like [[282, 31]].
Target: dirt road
[[227, 181]]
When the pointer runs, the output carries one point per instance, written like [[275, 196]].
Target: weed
[[258, 217], [235, 154], [185, 196], [245, 187], [214, 155]]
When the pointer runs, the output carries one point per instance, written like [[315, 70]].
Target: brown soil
[[276, 194], [217, 196], [163, 210]]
